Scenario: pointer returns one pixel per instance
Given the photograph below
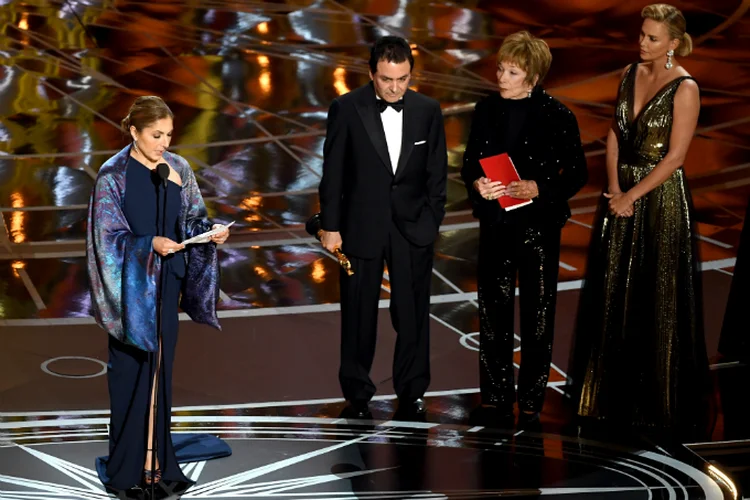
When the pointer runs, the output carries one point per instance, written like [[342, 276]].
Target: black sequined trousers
[[506, 251]]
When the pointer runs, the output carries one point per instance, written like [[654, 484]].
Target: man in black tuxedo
[[382, 198]]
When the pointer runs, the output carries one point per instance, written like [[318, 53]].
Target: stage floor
[[334, 458], [250, 84]]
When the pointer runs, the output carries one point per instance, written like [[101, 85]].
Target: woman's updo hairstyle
[[145, 111], [675, 23]]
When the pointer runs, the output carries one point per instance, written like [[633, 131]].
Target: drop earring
[[669, 64], [531, 89]]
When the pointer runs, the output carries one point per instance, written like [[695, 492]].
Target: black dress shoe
[[419, 406], [356, 409], [412, 406]]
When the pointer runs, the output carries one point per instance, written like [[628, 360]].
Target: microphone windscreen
[[162, 169]]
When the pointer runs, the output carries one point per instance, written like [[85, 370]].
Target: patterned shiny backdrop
[[250, 83]]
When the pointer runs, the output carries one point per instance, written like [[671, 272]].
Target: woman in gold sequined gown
[[640, 355]]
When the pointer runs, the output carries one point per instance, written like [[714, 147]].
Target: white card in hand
[[206, 237]]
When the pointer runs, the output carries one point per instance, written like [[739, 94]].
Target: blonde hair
[[145, 111], [675, 22], [528, 52]]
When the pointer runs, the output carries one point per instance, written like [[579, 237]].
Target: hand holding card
[[206, 237], [500, 168]]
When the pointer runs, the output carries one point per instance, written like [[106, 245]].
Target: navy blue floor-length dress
[[130, 370]]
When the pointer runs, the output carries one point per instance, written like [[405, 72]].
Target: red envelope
[[501, 168]]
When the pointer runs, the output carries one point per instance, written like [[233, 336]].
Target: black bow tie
[[383, 104]]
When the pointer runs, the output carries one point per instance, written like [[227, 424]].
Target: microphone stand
[[163, 174]]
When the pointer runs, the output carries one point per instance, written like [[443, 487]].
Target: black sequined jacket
[[548, 150]]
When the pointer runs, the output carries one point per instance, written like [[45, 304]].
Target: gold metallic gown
[[640, 350]]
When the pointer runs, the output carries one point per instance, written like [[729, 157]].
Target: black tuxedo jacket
[[359, 193]]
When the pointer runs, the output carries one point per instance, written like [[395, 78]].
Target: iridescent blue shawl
[[124, 270]]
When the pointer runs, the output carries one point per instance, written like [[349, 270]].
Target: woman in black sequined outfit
[[541, 137]]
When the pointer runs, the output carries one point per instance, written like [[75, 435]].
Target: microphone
[[162, 170]]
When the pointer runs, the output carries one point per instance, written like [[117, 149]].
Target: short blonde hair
[[528, 52], [675, 23]]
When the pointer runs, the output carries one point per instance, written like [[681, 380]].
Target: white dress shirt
[[393, 126]]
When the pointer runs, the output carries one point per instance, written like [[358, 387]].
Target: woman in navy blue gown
[[134, 260]]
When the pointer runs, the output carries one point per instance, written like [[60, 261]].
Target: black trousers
[[410, 273], [533, 254]]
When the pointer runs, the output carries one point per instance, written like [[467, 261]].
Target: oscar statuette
[[313, 228]]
